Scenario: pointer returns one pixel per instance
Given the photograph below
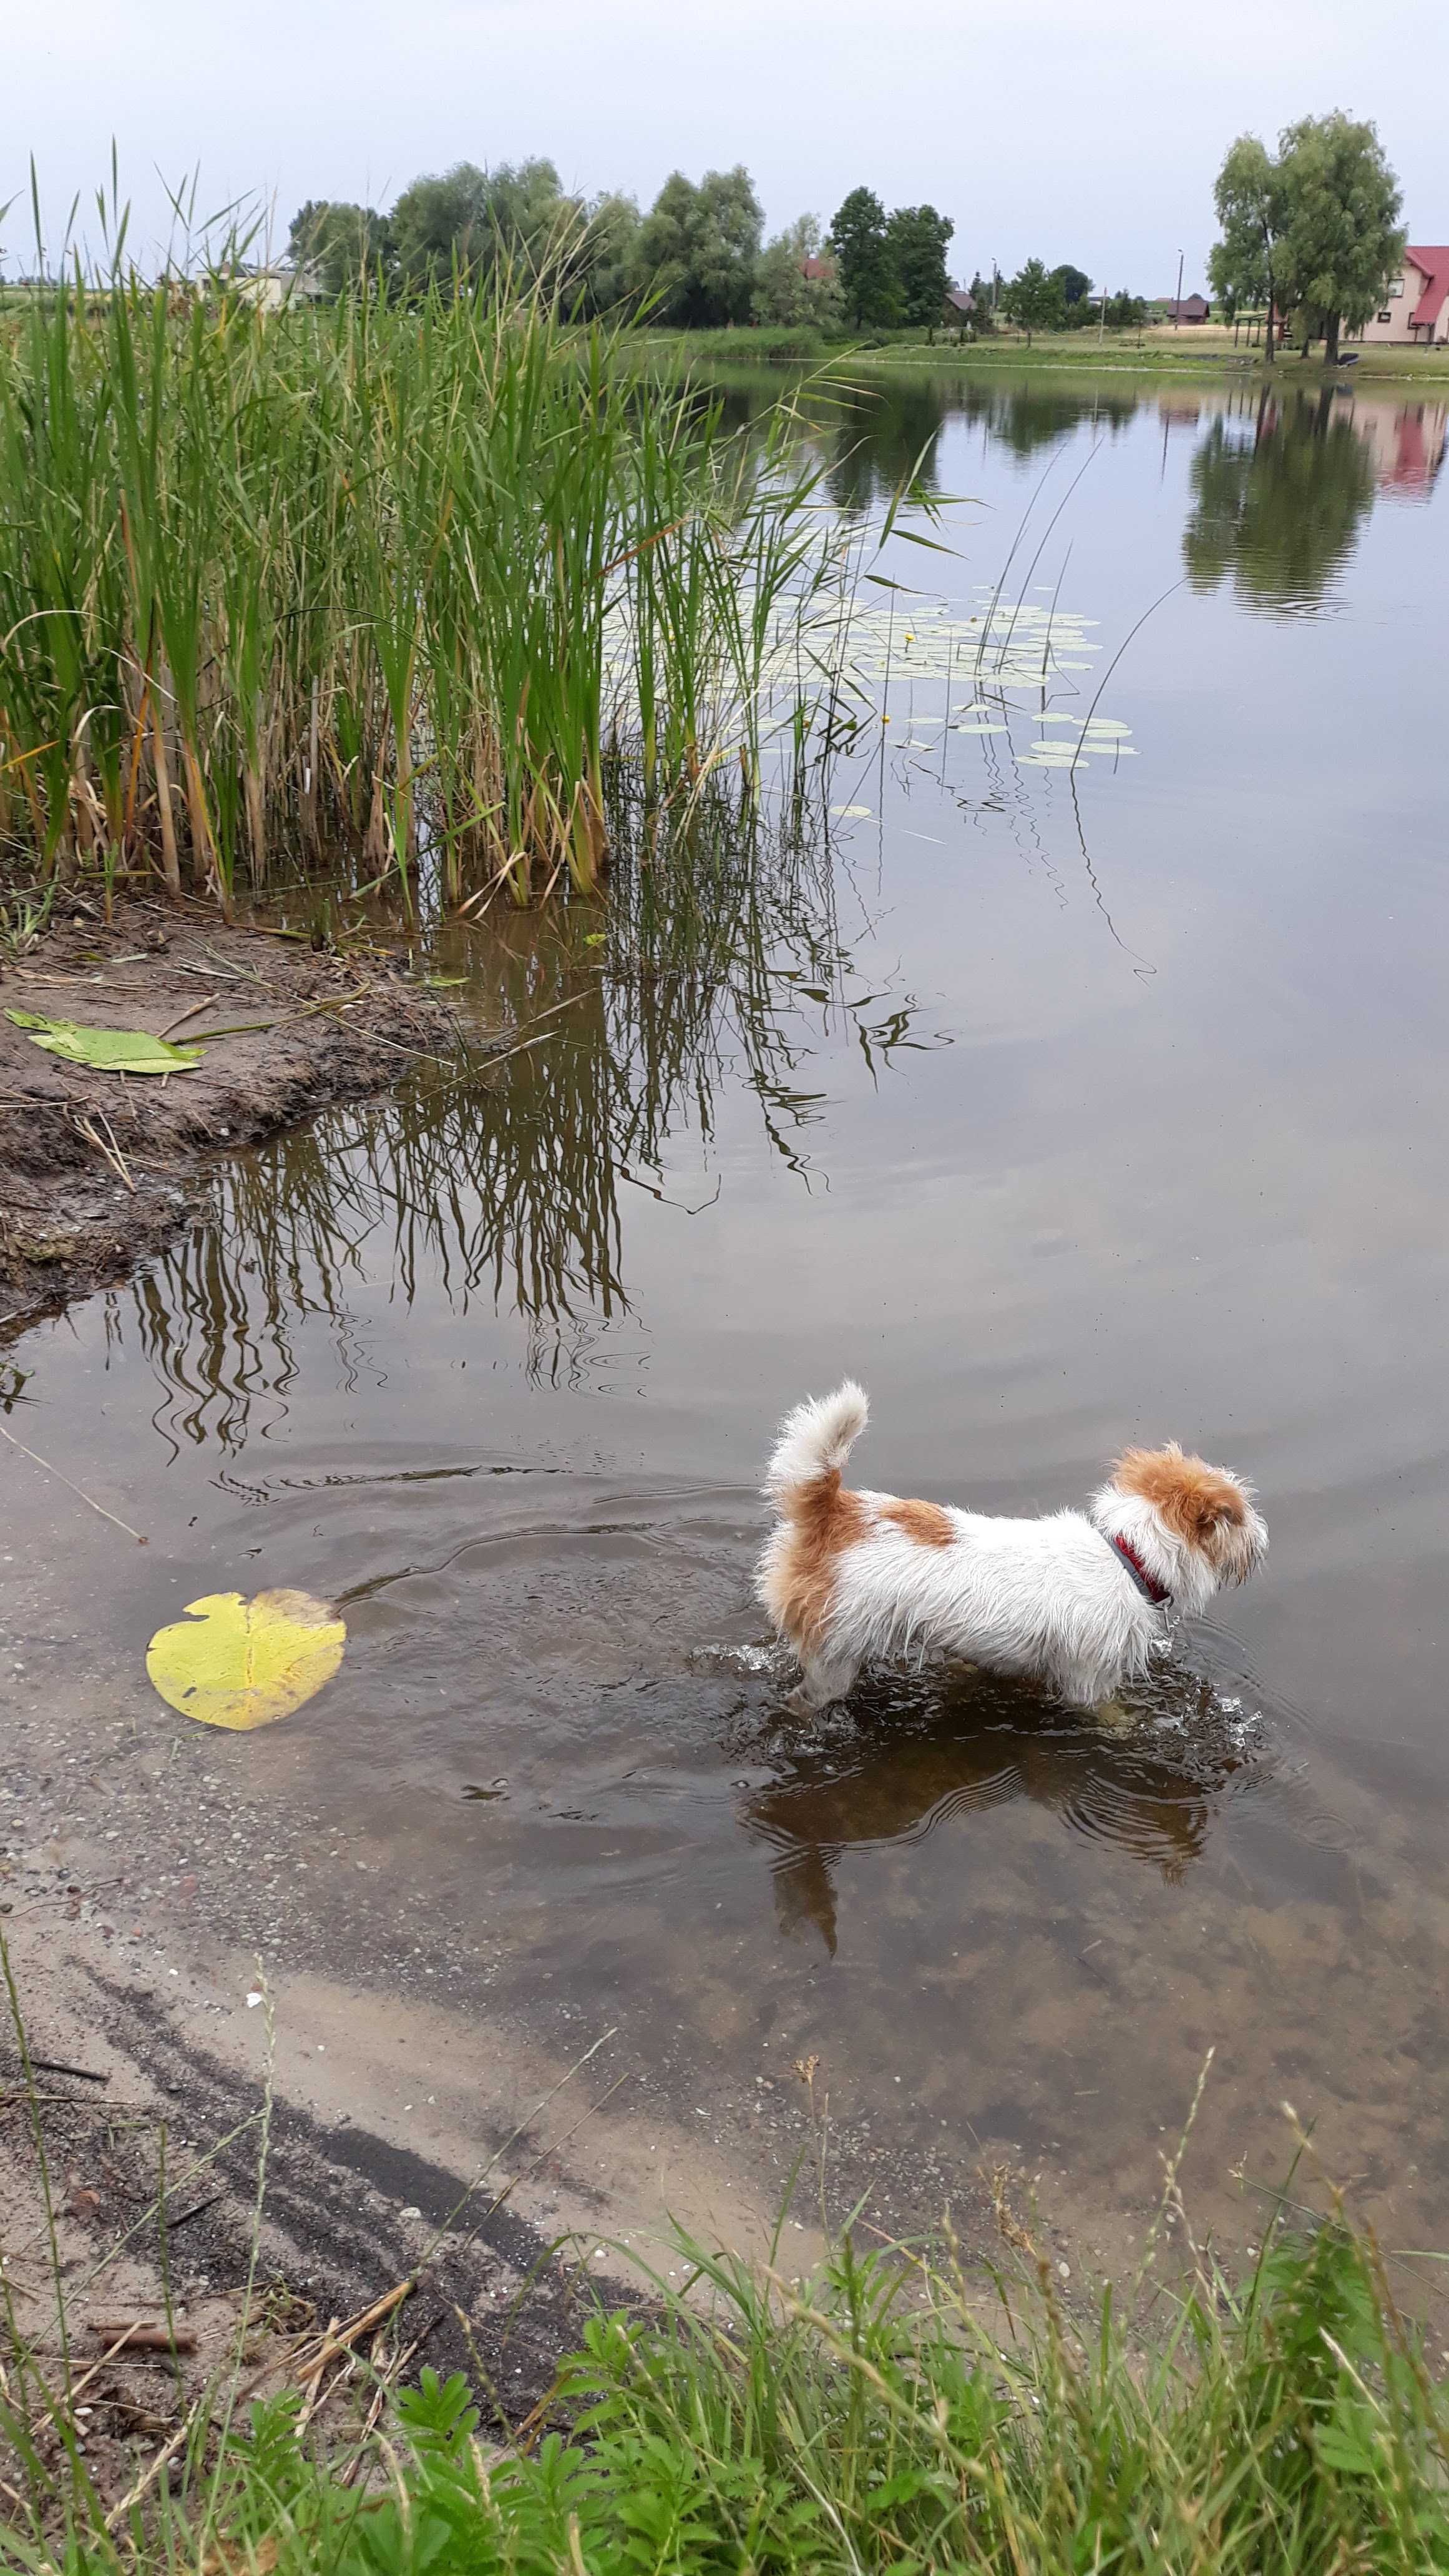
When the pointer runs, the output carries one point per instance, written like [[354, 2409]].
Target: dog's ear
[[1196, 1501]]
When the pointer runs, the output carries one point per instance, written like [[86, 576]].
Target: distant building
[[960, 303], [272, 288], [821, 271], [1187, 308], [1415, 310]]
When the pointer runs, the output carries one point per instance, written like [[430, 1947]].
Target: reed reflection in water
[[717, 961]]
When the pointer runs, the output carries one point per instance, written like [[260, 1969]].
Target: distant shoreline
[[1074, 353]]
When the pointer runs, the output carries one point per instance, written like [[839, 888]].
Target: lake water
[[1065, 1107]]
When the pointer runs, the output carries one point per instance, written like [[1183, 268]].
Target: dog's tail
[[815, 1441]]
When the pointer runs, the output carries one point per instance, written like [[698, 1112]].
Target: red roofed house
[[1416, 307]]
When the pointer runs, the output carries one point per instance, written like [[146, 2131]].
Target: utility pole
[[1177, 307], [1102, 317]]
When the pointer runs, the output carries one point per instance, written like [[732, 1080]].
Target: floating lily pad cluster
[[1002, 644], [1000, 650], [891, 658]]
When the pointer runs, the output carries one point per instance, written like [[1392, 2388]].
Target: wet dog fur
[[851, 1576]]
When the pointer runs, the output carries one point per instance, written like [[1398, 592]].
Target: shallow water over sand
[[1063, 1107]]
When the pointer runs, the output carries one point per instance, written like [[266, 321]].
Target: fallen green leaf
[[237, 1663], [106, 1050]]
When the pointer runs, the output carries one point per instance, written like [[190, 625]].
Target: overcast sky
[[1084, 134]]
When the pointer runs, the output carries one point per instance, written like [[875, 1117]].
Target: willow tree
[[1245, 267], [1313, 230], [1343, 241]]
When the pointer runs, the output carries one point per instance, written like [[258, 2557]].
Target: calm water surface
[[1065, 1110]]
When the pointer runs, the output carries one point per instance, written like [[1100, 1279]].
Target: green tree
[[1248, 265], [783, 293], [605, 264], [1342, 242], [471, 222], [1033, 300], [535, 225], [440, 224], [344, 244], [915, 242], [867, 275], [1076, 288], [697, 249]]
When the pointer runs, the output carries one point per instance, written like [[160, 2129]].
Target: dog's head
[[1205, 1516]]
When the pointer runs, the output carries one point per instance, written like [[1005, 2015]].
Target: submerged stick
[[38, 1461]]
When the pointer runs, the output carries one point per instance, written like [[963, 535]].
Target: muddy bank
[[97, 1170], [487, 2191]]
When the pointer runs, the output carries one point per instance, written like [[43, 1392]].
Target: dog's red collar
[[1157, 1593]]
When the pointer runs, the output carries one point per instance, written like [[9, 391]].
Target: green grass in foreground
[[869, 2421]]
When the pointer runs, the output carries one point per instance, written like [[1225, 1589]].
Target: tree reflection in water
[[1278, 500]]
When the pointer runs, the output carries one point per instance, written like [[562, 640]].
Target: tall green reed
[[399, 585]]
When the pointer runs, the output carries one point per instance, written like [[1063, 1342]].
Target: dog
[[1075, 1600]]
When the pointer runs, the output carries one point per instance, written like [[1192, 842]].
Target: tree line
[[1311, 230], [696, 260]]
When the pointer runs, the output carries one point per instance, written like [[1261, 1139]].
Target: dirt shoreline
[[99, 1170], [500, 2217]]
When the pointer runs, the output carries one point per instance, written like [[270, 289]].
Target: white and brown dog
[[1075, 1600]]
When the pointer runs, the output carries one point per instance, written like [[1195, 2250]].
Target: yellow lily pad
[[238, 1663]]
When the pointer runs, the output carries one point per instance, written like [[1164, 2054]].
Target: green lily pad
[[105, 1050]]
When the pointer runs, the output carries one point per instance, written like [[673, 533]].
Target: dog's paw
[[1113, 1717]]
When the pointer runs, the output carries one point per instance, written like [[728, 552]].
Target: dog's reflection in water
[[910, 1756]]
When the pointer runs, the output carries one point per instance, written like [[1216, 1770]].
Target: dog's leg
[[830, 1678]]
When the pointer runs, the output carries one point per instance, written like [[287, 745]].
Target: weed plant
[[872, 2420]]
